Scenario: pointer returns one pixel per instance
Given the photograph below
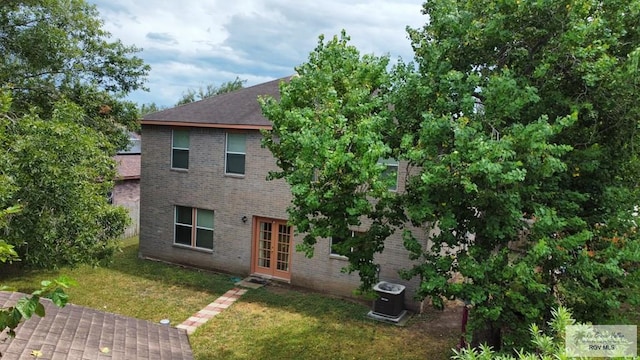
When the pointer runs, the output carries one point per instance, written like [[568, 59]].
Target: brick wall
[[204, 185]]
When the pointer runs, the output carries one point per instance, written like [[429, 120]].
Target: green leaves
[[522, 119], [59, 297], [192, 95], [61, 171], [64, 88], [53, 50], [28, 306], [518, 124], [7, 252], [328, 139]]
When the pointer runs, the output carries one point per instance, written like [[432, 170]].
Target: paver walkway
[[211, 310]]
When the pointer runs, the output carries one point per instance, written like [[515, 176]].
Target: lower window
[[193, 227], [390, 174], [339, 247]]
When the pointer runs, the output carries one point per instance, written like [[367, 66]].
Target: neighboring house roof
[[76, 332], [128, 167], [237, 109]]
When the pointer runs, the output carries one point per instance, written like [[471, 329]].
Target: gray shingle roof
[[77, 332], [239, 108]]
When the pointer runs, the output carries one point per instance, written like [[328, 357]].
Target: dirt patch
[[445, 323]]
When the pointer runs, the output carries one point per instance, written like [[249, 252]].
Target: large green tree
[[29, 305], [518, 123], [57, 49], [522, 116], [328, 139], [58, 171], [64, 115]]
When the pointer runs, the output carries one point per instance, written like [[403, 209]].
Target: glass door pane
[[284, 244], [264, 245]]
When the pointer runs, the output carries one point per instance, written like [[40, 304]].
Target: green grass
[[268, 323], [133, 287], [285, 324]]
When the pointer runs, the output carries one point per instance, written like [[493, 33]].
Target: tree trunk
[[489, 334]]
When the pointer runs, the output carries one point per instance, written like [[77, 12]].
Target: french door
[[272, 244]]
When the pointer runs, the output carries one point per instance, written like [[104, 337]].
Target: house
[[126, 191], [77, 332], [205, 200]]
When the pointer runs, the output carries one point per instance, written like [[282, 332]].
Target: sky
[[194, 43]]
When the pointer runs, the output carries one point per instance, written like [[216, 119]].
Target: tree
[[55, 50], [327, 138], [519, 125], [59, 172], [149, 108], [7, 251], [522, 117], [64, 83], [28, 305], [192, 95]]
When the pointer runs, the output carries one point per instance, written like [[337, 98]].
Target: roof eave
[[127, 177], [205, 125]]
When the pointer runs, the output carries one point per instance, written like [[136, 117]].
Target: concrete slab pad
[[400, 320], [252, 282]]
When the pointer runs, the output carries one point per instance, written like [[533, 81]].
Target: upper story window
[[235, 153], [391, 172], [198, 233], [180, 149]]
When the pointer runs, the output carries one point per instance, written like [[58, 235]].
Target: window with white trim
[[193, 227], [180, 149], [337, 247], [391, 172], [235, 153]]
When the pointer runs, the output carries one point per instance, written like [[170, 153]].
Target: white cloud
[[192, 43]]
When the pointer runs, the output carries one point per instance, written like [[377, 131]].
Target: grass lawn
[[273, 322]]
